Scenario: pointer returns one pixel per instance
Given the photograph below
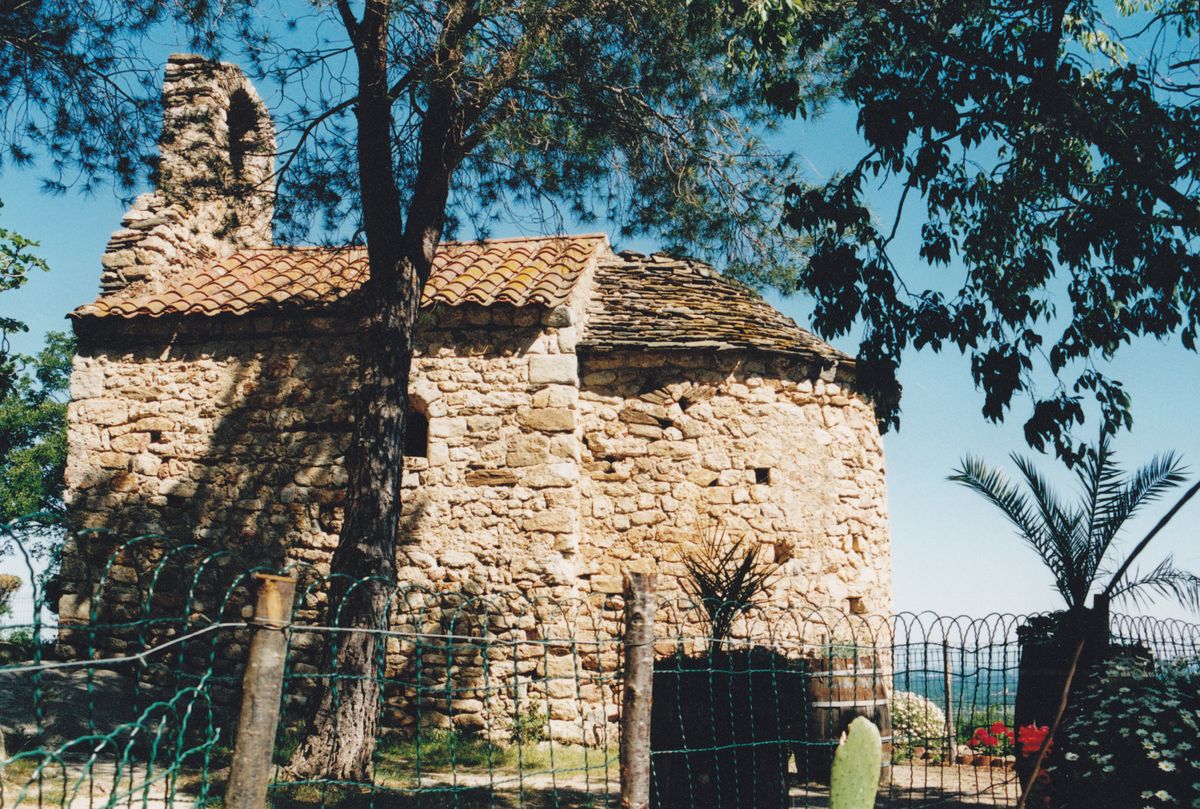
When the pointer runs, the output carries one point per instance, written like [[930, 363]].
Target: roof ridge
[[289, 248]]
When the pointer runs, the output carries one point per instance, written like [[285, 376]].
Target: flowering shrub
[[1131, 741], [994, 740], [916, 722]]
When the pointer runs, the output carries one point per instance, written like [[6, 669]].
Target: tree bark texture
[[340, 739]]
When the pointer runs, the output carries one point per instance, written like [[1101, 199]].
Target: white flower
[[1075, 757], [1163, 795], [1166, 766]]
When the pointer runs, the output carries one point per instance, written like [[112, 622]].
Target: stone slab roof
[[669, 303], [514, 271]]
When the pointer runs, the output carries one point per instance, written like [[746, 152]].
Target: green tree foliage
[[1077, 541], [16, 262], [33, 431], [77, 90], [1054, 146]]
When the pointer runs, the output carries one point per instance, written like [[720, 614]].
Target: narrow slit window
[[416, 434]]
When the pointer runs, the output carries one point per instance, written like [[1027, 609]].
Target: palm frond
[[726, 582], [1029, 520], [1144, 486], [1103, 483], [1065, 526], [1164, 580]]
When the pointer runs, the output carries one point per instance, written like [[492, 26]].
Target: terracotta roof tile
[[513, 271], [668, 303]]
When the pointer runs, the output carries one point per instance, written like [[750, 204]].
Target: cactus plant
[[856, 763]]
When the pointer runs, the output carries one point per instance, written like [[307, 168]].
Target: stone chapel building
[[576, 410]]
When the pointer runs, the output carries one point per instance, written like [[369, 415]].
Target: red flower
[[1030, 738], [998, 728]]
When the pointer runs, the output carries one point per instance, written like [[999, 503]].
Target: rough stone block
[[456, 559], [555, 396], [551, 476], [100, 411], [558, 317], [553, 369], [547, 419], [113, 460], [607, 584], [131, 442], [555, 520], [453, 427], [123, 482], [154, 424], [491, 477], [527, 450], [565, 446], [438, 454], [87, 380]]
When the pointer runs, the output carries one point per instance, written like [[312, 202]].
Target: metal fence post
[[639, 684], [951, 741], [262, 690]]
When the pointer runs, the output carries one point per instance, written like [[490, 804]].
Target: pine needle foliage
[[727, 577]]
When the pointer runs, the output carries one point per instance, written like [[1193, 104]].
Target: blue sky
[[951, 553]]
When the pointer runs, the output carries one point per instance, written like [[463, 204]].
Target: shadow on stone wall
[[195, 461]]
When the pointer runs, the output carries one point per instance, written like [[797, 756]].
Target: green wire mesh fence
[[120, 684]]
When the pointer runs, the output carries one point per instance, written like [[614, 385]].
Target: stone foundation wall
[[230, 432]]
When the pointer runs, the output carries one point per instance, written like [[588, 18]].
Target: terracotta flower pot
[[964, 758], [983, 761], [918, 752]]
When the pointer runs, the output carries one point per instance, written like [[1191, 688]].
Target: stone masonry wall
[[783, 454], [539, 488], [230, 432]]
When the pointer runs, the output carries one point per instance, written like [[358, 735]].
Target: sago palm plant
[[1075, 540]]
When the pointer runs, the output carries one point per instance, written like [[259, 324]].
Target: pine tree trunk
[[341, 735], [340, 741]]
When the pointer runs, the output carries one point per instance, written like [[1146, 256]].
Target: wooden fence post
[[639, 685], [262, 690]]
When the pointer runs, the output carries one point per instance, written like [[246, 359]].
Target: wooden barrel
[[840, 689]]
